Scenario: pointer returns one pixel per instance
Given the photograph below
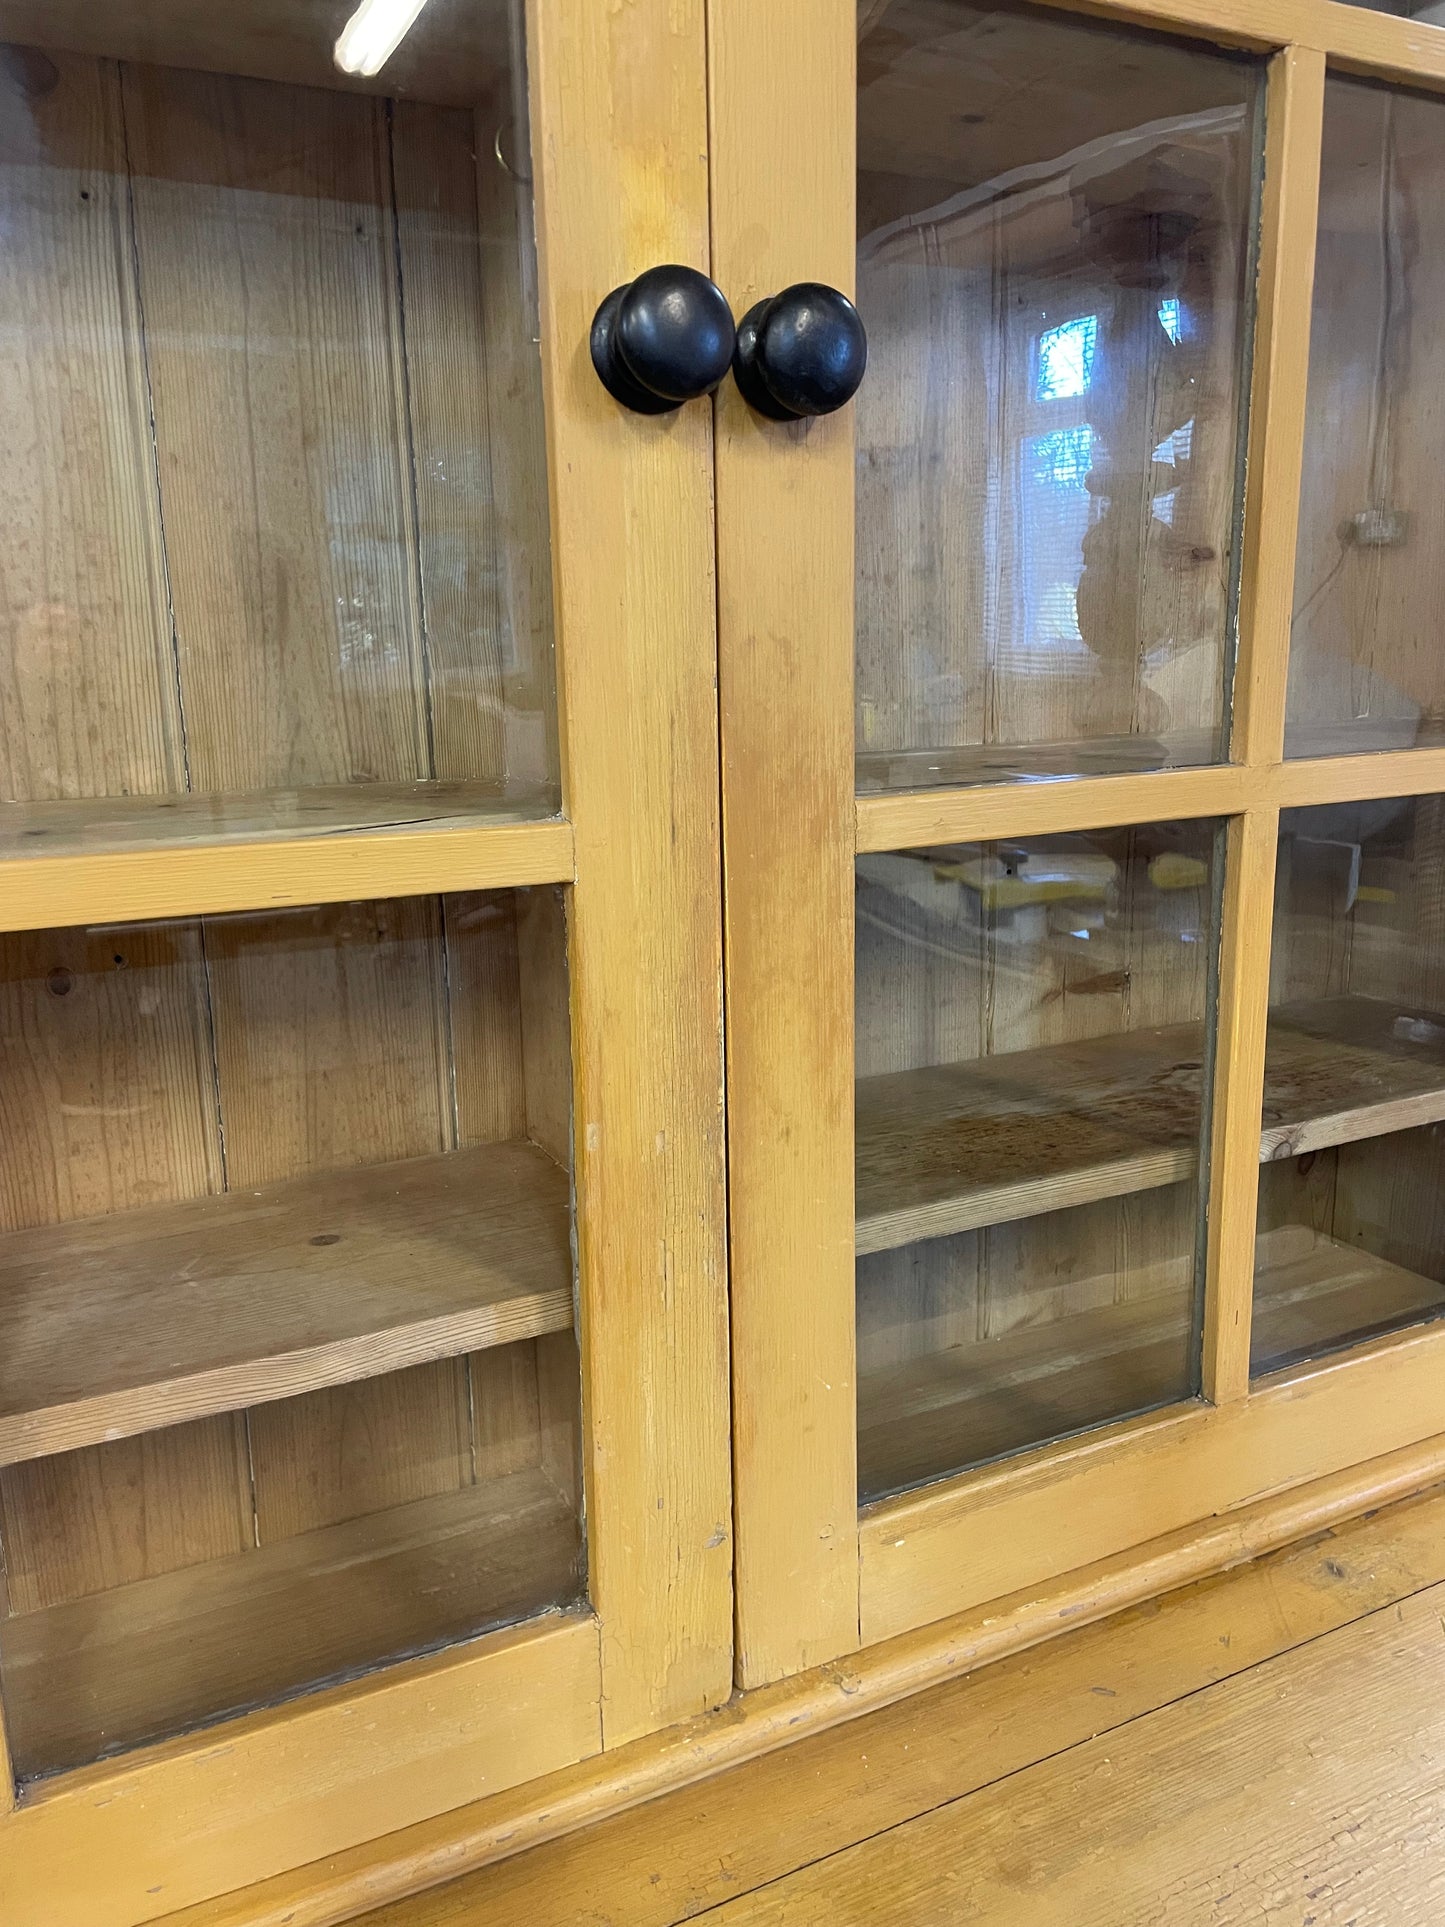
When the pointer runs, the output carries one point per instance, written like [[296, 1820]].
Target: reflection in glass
[[1031, 1050], [288, 1384], [1431, 10], [275, 486], [1054, 239], [1365, 662], [1352, 1189]]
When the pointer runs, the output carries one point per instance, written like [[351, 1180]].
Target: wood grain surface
[[112, 1668]]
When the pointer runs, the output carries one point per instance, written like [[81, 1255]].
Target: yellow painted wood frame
[[613, 93], [783, 210]]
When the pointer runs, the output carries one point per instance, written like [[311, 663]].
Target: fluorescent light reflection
[[373, 33]]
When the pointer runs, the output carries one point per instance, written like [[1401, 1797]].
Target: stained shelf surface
[[960, 1146], [114, 1325]]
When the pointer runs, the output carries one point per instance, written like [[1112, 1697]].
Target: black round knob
[[662, 339], [801, 352]]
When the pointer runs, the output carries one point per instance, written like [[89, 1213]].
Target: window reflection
[[1054, 231]]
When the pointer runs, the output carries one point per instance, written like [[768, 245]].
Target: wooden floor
[[1268, 1746]]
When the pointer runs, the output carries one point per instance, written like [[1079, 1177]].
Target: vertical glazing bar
[[1294, 120], [1294, 115]]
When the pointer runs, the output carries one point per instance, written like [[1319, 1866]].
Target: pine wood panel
[[108, 1104], [198, 878], [968, 1647], [971, 1402], [546, 1040], [683, 1855], [87, 681], [512, 366], [971, 1539], [114, 1325], [80, 1524], [332, 1051], [1302, 1788], [633, 543], [109, 1670], [106, 1094], [267, 274], [783, 192], [296, 1785], [439, 264], [956, 1146]]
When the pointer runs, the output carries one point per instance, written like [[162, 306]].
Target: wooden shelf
[[962, 1407], [1315, 1295], [107, 825], [962, 1146], [113, 860], [108, 1671], [884, 770], [116, 1325]]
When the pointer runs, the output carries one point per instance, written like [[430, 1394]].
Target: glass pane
[[1055, 228], [1365, 669], [1431, 10], [275, 490], [286, 1304], [1031, 1032], [1352, 1184]]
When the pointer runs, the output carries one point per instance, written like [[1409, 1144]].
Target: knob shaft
[[662, 339], [802, 352]]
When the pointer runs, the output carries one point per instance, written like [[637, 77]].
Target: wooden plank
[[484, 1016], [460, 543], [994, 1138], [80, 1524], [359, 1450], [973, 1402], [955, 1545], [87, 678], [1342, 1068], [108, 1107], [1315, 1294], [696, 1848], [777, 1719], [128, 1842], [633, 542], [912, 820], [280, 435], [511, 336], [783, 195], [959, 1146], [1294, 118], [118, 1667], [332, 1051], [109, 825], [1290, 1790], [546, 1035], [111, 1326], [41, 892], [1334, 779]]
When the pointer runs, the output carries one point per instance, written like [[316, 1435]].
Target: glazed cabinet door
[[1013, 729], [363, 1360]]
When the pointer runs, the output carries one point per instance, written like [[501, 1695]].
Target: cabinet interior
[[276, 484], [286, 1303]]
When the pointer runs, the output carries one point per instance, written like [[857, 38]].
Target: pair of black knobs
[[668, 337]]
